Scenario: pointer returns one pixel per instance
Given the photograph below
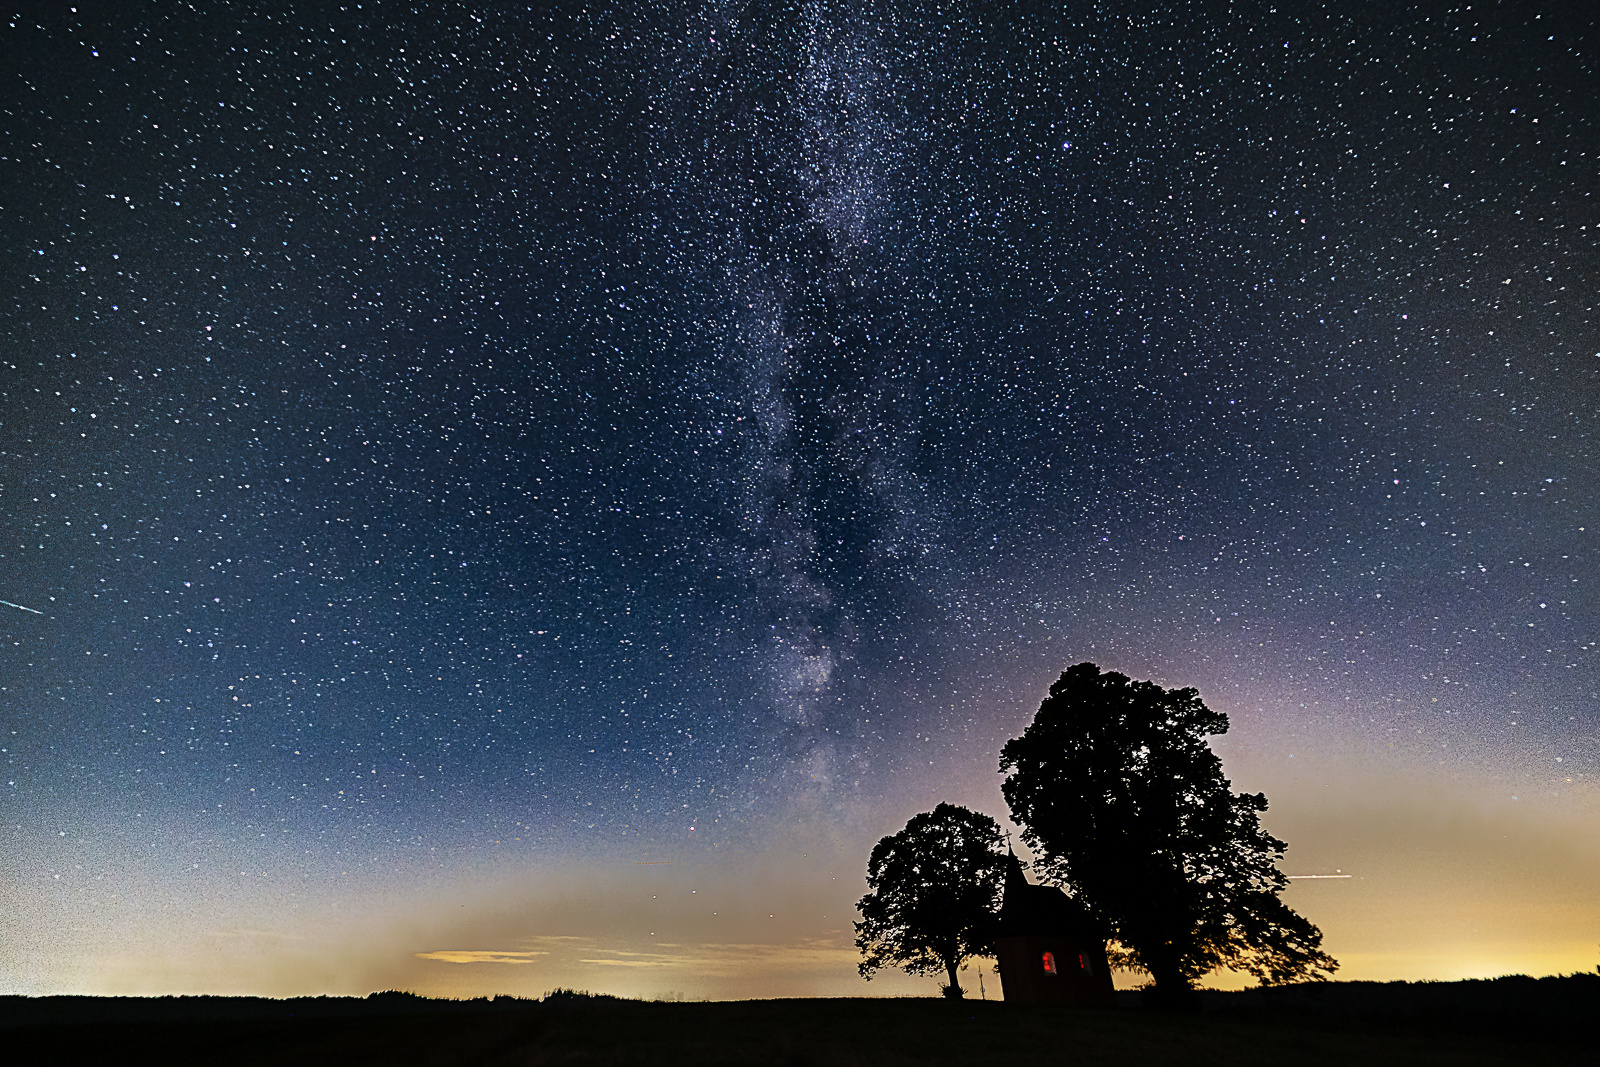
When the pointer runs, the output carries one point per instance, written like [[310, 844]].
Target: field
[[1505, 1021]]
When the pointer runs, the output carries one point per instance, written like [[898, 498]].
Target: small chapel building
[[1046, 950]]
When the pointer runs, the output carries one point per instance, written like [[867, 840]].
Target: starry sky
[[499, 498]]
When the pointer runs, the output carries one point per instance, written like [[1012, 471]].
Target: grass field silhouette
[[1512, 1020]]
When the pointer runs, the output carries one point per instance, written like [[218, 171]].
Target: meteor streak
[[19, 607]]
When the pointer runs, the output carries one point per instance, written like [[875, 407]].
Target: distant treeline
[[29, 1011], [1559, 995]]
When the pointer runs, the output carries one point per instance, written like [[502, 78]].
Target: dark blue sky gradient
[[423, 427]]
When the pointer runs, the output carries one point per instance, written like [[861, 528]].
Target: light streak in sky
[[19, 607], [1319, 876]]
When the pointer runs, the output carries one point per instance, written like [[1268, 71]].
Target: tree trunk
[[953, 990], [1172, 992]]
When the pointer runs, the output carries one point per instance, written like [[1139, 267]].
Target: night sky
[[497, 498]]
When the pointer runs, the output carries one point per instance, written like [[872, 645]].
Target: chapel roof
[[1028, 910]]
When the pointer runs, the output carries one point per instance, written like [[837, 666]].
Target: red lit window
[[1050, 963], [1083, 963]]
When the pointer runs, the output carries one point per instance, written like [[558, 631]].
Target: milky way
[[430, 428]]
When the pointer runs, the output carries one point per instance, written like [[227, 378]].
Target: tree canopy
[[1123, 802], [934, 893]]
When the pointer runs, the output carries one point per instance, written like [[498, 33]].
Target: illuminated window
[[1050, 963]]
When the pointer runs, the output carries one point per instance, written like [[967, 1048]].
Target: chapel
[[1046, 949]]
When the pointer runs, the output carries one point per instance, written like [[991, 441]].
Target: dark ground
[[1503, 1021]]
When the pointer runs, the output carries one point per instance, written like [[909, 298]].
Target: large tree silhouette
[[935, 889], [1124, 803]]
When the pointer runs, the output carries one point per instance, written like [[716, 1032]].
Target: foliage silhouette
[[935, 890], [1124, 804]]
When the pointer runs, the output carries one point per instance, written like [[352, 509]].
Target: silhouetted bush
[[577, 996]]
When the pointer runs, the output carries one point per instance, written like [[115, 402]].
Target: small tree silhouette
[[935, 889]]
